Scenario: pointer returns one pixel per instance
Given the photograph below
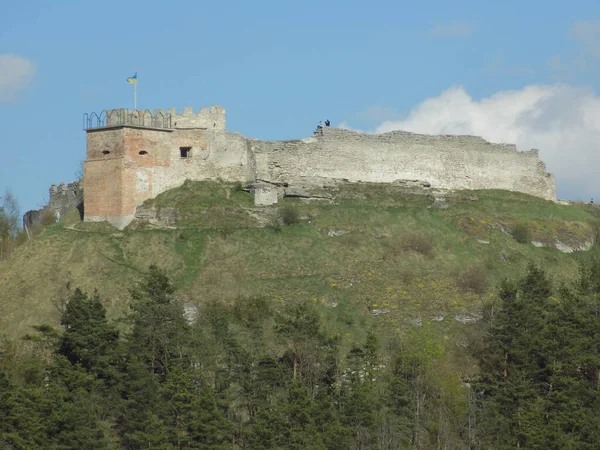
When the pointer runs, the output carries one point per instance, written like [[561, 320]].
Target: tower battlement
[[210, 118]]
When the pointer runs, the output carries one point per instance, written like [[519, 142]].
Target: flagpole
[[135, 95]]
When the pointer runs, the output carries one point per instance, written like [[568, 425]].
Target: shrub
[[596, 234], [521, 233], [22, 237], [274, 223], [418, 243], [474, 279], [47, 217], [226, 230], [408, 275], [289, 215], [351, 240], [409, 242]]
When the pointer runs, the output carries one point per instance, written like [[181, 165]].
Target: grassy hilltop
[[373, 254]]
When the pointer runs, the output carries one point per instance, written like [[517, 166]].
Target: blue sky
[[279, 67]]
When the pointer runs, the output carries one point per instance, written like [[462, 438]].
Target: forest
[[247, 375]]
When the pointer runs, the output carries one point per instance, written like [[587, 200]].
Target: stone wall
[[61, 199], [445, 162], [212, 118]]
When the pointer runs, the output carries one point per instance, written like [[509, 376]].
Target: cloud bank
[[16, 73], [562, 121]]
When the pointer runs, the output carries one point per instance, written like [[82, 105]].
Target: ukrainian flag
[[133, 79]]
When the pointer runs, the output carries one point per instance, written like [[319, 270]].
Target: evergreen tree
[[536, 384], [88, 340], [159, 328], [194, 419], [21, 425]]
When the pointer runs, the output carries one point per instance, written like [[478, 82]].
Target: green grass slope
[[373, 255]]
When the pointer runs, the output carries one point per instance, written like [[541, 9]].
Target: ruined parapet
[[31, 217], [66, 196], [441, 161], [61, 199], [211, 118]]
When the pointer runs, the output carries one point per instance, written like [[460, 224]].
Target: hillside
[[368, 316], [380, 254]]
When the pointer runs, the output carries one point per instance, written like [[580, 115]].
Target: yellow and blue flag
[[133, 79]]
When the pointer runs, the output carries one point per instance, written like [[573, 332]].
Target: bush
[[226, 230], [474, 279], [521, 233], [596, 232], [47, 217], [418, 243], [289, 215], [274, 223]]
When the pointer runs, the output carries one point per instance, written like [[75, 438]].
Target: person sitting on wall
[[320, 126], [327, 123]]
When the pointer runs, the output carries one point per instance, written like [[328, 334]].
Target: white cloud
[[16, 72], [453, 30], [587, 32], [582, 59], [562, 121]]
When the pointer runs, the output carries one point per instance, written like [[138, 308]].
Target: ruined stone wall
[[446, 162], [65, 196], [61, 199]]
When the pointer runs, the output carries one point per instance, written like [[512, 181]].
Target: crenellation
[[211, 118]]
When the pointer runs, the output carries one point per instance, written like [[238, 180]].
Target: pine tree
[[159, 328], [88, 340], [536, 383]]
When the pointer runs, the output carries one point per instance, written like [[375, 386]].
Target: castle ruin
[[133, 156], [61, 199]]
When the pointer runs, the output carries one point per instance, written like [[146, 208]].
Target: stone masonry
[[61, 199], [135, 156]]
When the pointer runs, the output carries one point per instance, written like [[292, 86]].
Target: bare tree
[[9, 222], [10, 212], [79, 172]]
